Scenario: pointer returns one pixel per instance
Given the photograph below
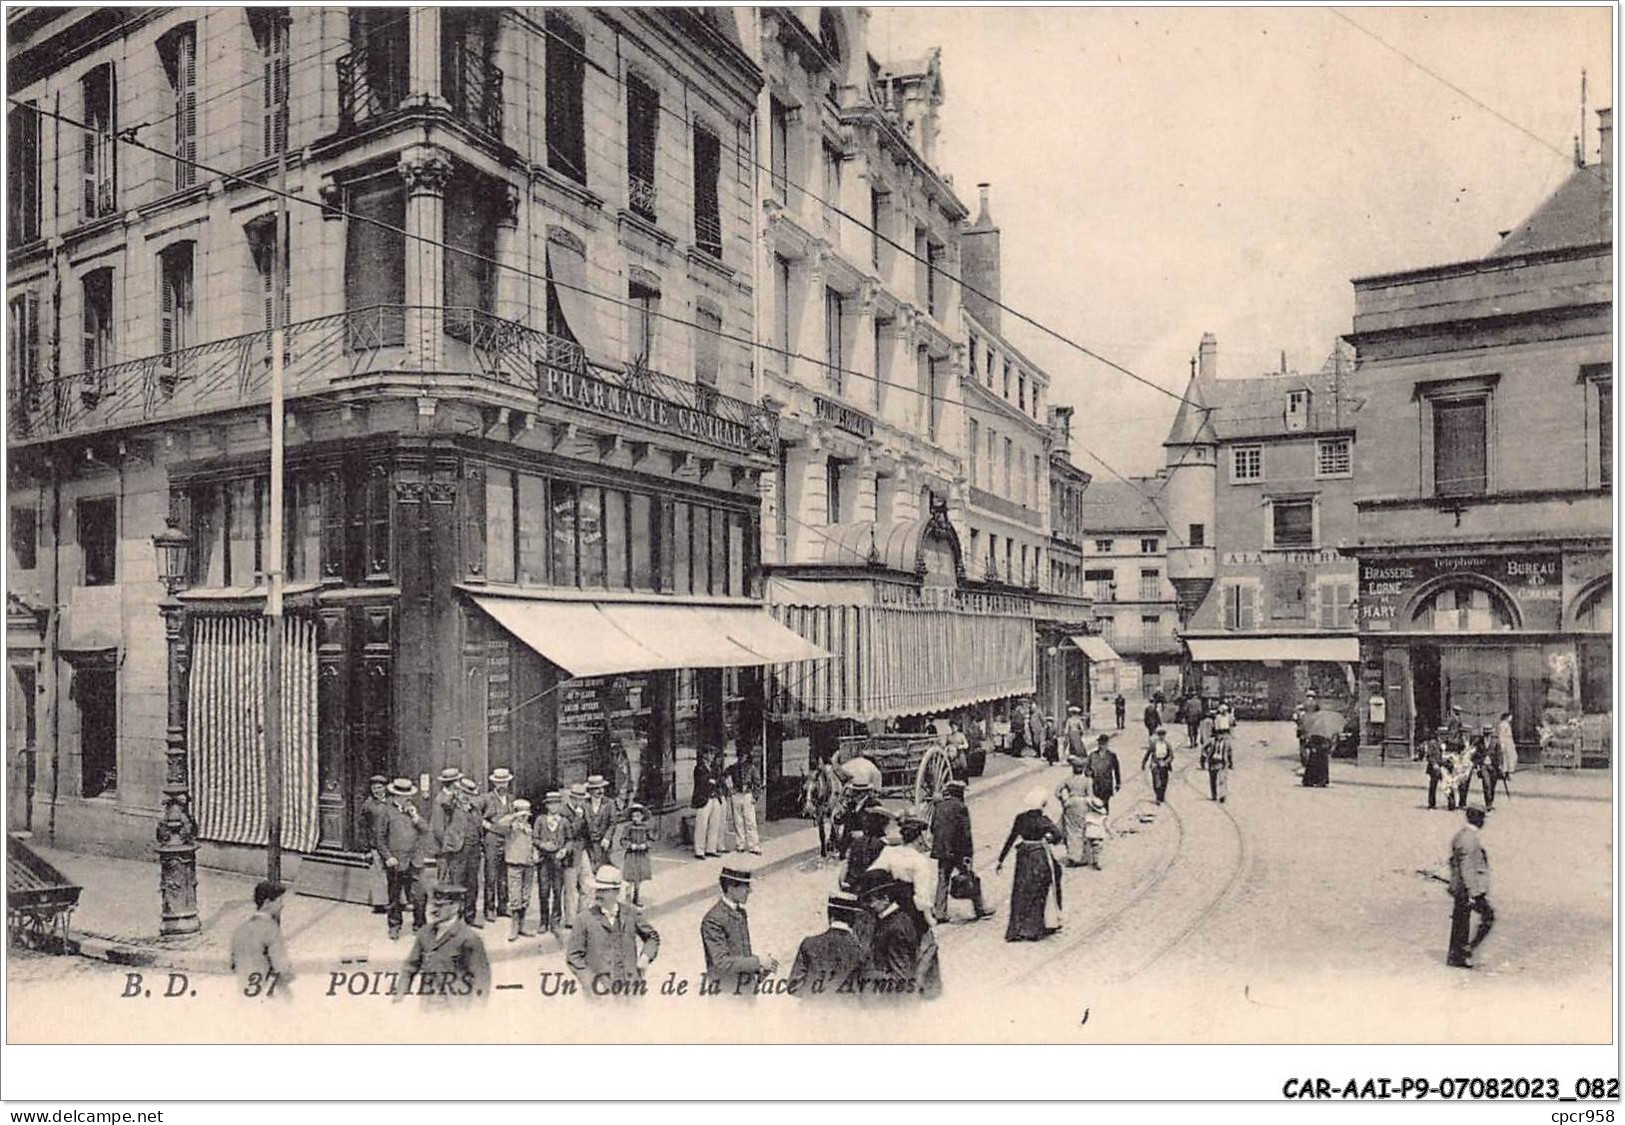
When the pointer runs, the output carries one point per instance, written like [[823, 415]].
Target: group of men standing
[[718, 791], [1454, 758]]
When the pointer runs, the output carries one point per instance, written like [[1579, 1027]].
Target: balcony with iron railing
[[373, 84], [708, 233], [641, 196], [357, 351]]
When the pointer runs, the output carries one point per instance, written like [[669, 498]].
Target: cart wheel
[[931, 781]]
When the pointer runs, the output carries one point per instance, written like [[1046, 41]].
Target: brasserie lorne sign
[[589, 393]]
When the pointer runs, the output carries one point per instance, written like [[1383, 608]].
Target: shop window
[[566, 76], [304, 529], [645, 540], [1334, 457], [1197, 536], [375, 264], [617, 560], [270, 30], [642, 133], [737, 553], [707, 199], [501, 555], [178, 50], [1240, 606], [1247, 463], [1463, 609], [643, 308], [245, 531], [1292, 523], [1460, 447], [718, 553], [98, 540], [22, 537], [22, 174], [530, 530], [1150, 585], [590, 528], [682, 549], [96, 319], [564, 527], [95, 693], [99, 148]]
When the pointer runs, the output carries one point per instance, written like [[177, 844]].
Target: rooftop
[[1114, 505], [1215, 410]]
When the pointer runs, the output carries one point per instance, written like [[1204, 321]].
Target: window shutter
[[185, 47], [1247, 607], [88, 326], [166, 310], [32, 356], [89, 140], [1459, 456]]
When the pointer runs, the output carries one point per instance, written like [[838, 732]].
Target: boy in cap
[[495, 804], [725, 936], [448, 964], [404, 845], [518, 863], [825, 963], [552, 833]]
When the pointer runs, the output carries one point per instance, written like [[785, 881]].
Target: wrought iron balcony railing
[[473, 87], [641, 196], [327, 351], [708, 233], [372, 84]]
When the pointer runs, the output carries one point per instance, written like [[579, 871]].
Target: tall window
[[1103, 583], [97, 523], [707, 204], [1460, 447], [934, 289], [566, 74], [832, 490], [1335, 597], [642, 133], [707, 346], [1292, 523], [373, 76], [1005, 362], [1021, 393], [781, 310], [1038, 471], [877, 211], [1150, 585], [23, 345], [178, 50], [1334, 457], [177, 325], [975, 457], [877, 386], [1009, 455], [832, 177], [1239, 609], [97, 319], [375, 262], [834, 344], [268, 301], [270, 27], [468, 277], [932, 398], [469, 81], [643, 295], [1247, 463], [23, 538], [22, 174], [99, 150], [779, 148], [1151, 631], [1605, 429]]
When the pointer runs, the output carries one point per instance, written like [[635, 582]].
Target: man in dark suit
[[825, 963], [597, 823], [456, 829], [725, 934], [373, 811], [894, 947], [952, 848], [492, 806], [1105, 771], [403, 843], [611, 944], [1469, 889], [448, 958]]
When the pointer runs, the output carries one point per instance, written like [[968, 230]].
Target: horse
[[820, 800]]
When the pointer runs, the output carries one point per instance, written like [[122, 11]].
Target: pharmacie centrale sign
[[651, 411], [1534, 581]]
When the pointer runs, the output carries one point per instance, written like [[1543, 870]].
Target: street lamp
[[177, 831]]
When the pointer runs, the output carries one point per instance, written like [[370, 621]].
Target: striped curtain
[[226, 729]]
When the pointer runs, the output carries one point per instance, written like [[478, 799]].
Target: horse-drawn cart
[[915, 767]]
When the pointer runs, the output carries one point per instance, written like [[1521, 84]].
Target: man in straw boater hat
[[404, 845], [611, 946], [826, 963], [518, 864], [458, 848], [552, 832], [725, 936], [597, 822], [493, 805], [448, 965]]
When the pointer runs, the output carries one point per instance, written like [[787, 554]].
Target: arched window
[[1463, 608], [1596, 613]]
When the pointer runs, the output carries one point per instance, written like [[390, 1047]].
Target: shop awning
[[589, 638], [1096, 648], [1340, 650]]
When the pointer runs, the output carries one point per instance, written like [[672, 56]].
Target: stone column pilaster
[[426, 170]]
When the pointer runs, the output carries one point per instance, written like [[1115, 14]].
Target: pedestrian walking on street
[[1159, 758], [597, 823], [553, 836], [493, 806], [1096, 828], [374, 811], [635, 866], [1105, 771], [519, 858], [404, 844], [259, 956], [958, 747], [745, 782], [1489, 765], [903, 857], [1508, 744], [1074, 795], [725, 937], [830, 963], [867, 840], [1120, 709], [1194, 711], [1031, 835], [611, 945], [1052, 741], [1076, 733], [953, 849], [1469, 889], [1153, 716], [707, 803], [448, 966], [1434, 762], [576, 869]]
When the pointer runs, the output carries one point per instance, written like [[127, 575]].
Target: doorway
[[95, 690], [1426, 690]]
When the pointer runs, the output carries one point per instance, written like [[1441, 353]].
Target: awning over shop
[[591, 638], [1341, 650], [1096, 648]]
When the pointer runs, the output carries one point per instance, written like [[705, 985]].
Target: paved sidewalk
[[117, 918], [1529, 781]]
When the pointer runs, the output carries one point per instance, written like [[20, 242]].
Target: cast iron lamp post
[[177, 831]]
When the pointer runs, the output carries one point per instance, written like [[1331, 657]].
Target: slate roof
[[1578, 213], [1218, 410], [1114, 505]]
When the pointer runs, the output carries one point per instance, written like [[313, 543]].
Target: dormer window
[[1297, 409]]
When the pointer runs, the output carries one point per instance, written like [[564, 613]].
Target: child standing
[[554, 834], [519, 857], [635, 868]]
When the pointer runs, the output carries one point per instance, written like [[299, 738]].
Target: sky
[[1158, 173]]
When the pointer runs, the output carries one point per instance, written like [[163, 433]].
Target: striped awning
[[891, 662], [225, 737], [1095, 648]]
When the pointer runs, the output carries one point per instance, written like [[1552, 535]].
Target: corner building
[[522, 514]]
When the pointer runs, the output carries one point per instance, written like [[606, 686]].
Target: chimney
[[1207, 363], [979, 265], [1605, 131], [1061, 428]]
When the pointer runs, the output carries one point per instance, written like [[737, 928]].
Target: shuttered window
[[1605, 430], [566, 74], [178, 50], [707, 205], [707, 346], [97, 319], [270, 26], [22, 174], [23, 345], [468, 279], [642, 131], [98, 157], [176, 314], [1240, 606], [1460, 448]]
